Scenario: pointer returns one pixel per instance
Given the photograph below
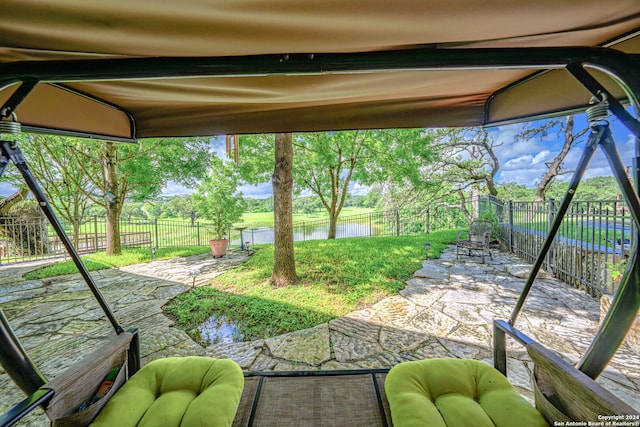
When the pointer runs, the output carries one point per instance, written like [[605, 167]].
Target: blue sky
[[520, 162], [524, 162]]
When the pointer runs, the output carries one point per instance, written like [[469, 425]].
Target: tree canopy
[[218, 198], [327, 163], [80, 172]]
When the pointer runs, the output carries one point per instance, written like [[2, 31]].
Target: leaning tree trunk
[[284, 268], [8, 202]]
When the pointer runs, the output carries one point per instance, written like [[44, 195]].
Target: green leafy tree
[[327, 163], [184, 207], [108, 173], [259, 205], [133, 210], [60, 175], [218, 199], [604, 188], [307, 205], [563, 128], [464, 164], [513, 191]]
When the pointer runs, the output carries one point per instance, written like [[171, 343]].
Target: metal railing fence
[[589, 252], [590, 248], [29, 239]]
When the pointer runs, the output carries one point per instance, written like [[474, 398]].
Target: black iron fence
[[589, 252], [28, 239], [397, 222], [590, 249]]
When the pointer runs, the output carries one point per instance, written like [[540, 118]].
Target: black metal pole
[[589, 149], [597, 90], [16, 362], [626, 302], [420, 58], [11, 151]]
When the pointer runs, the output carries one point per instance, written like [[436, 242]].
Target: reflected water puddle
[[219, 330]]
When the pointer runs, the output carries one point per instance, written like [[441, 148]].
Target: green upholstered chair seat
[[177, 391], [455, 393]]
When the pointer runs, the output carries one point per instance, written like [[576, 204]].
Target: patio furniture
[[77, 385], [177, 391], [477, 239], [455, 392], [194, 390]]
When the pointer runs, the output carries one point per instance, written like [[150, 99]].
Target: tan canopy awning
[[259, 66]]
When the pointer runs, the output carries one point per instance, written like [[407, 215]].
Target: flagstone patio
[[445, 310]]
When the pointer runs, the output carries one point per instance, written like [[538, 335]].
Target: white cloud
[[175, 189], [541, 157], [358, 189], [259, 191]]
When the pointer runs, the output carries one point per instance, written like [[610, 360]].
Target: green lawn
[[265, 219], [99, 261], [336, 277]]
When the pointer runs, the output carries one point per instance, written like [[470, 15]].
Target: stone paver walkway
[[445, 310]]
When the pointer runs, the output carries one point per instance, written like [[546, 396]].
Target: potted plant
[[219, 201]]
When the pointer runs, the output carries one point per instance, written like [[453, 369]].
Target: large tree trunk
[[284, 268], [333, 225], [112, 199]]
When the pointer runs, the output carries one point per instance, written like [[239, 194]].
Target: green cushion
[[177, 391], [455, 393]]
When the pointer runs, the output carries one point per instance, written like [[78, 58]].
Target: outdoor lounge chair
[[456, 392], [190, 390], [466, 392], [99, 73], [478, 239]]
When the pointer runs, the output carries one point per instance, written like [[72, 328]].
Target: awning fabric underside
[[33, 30]]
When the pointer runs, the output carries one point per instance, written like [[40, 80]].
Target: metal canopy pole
[[626, 300], [589, 149], [16, 362], [11, 152], [422, 58]]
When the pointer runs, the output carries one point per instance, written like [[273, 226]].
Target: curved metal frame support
[[624, 68], [626, 302], [587, 154], [15, 360], [17, 97], [11, 151]]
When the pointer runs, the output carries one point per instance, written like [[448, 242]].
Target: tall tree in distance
[[60, 176], [325, 165], [465, 163], [555, 167], [284, 267]]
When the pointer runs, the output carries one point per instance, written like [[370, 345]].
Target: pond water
[[219, 330], [313, 232]]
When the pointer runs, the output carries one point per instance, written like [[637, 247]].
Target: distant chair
[[477, 239]]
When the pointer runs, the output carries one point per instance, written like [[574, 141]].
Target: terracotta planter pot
[[219, 247]]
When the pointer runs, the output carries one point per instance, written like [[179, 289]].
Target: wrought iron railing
[[590, 249]]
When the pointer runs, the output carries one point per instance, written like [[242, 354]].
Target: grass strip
[[99, 260]]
